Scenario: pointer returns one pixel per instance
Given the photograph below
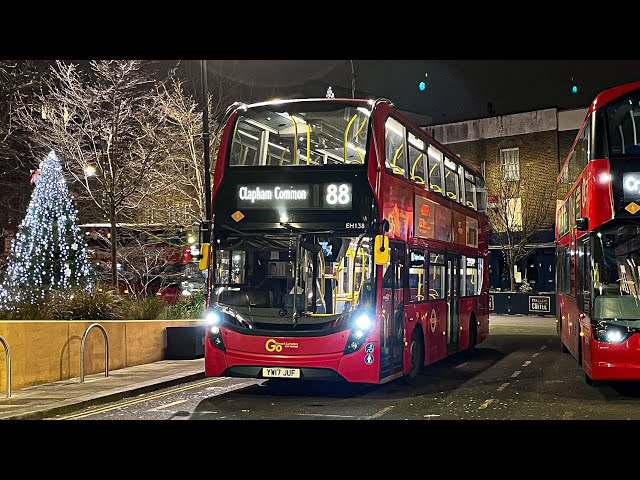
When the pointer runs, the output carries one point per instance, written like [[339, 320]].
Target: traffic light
[[423, 85], [574, 88]]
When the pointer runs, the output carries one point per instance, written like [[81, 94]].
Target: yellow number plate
[[281, 372]]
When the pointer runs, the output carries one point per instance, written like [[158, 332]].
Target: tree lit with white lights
[[48, 252]]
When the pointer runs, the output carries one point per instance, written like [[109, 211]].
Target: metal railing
[[106, 350], [7, 356]]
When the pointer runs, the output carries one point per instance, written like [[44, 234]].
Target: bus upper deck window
[[395, 149], [435, 170]]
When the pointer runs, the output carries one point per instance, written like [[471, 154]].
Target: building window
[[510, 163], [513, 214]]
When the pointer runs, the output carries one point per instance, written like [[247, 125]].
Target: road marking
[[431, 415], [535, 355], [381, 412], [486, 403], [325, 415], [543, 347], [167, 405], [567, 416], [139, 400], [516, 373], [527, 363], [502, 387], [461, 365]]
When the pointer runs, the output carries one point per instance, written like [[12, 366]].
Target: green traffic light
[[574, 89], [422, 86]]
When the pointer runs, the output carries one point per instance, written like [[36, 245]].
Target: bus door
[[452, 296], [392, 338], [584, 275]]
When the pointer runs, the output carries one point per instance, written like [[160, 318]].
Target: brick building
[[524, 149]]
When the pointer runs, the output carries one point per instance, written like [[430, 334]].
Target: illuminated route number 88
[[338, 194]]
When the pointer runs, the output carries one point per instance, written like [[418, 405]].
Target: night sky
[[455, 89]]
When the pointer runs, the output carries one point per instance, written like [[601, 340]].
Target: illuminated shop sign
[[328, 195], [631, 185]]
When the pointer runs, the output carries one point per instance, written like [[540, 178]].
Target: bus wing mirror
[[204, 256], [381, 250], [582, 224]]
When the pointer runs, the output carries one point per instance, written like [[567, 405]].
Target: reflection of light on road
[[486, 403], [325, 415], [133, 402], [381, 412]]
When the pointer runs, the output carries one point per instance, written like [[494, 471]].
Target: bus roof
[[601, 100], [356, 101], [607, 96], [364, 102]]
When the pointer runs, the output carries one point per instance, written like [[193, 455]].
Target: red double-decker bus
[[347, 245], [598, 239]]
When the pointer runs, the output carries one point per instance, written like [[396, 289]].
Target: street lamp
[[89, 170], [205, 137], [205, 246]]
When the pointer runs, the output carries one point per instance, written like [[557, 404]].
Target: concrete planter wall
[[49, 351], [512, 303]]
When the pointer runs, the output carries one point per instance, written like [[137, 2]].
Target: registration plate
[[281, 372]]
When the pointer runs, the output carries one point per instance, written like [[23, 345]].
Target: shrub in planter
[[187, 307], [145, 308], [82, 305]]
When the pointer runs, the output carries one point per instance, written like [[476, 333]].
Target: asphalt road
[[518, 373]]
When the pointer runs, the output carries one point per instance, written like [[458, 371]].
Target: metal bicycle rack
[[7, 355], [106, 350]]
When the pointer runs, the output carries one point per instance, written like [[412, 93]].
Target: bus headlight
[[361, 326], [612, 333], [363, 321], [213, 319]]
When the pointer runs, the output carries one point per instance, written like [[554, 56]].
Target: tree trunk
[[512, 274], [114, 239]]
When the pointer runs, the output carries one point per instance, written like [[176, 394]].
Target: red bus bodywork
[[598, 202], [322, 356]]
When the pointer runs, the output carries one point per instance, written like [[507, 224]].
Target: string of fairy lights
[[48, 252]]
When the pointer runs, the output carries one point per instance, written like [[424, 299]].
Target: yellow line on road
[[139, 400], [168, 405]]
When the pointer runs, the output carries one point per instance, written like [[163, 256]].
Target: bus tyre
[[416, 356], [563, 348]]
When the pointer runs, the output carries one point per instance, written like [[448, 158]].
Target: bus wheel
[[563, 347], [416, 356]]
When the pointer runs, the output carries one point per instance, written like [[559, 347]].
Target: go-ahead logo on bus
[[272, 345]]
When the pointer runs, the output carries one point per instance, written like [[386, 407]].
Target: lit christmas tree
[[48, 253]]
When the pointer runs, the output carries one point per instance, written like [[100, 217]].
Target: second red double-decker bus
[[598, 239], [347, 245]]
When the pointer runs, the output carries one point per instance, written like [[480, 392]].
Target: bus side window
[[435, 170], [396, 153], [436, 276], [470, 194], [417, 160], [451, 179], [417, 277]]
